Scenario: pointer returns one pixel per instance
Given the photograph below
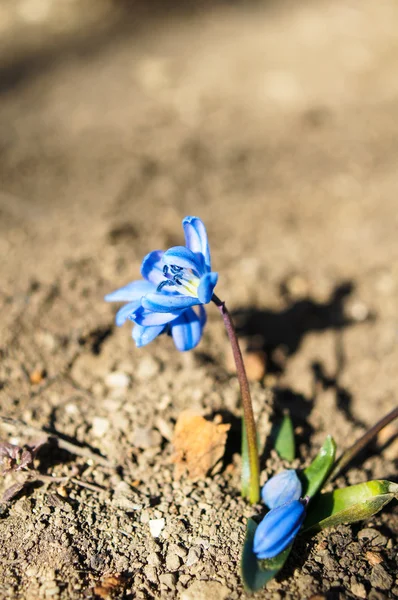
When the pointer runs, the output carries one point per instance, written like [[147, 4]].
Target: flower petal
[[143, 335], [126, 310], [196, 239], [152, 267], [187, 330], [159, 302], [281, 488], [206, 286], [146, 317], [202, 315], [278, 529], [130, 292], [183, 257]]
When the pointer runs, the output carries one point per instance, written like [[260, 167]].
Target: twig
[[360, 444], [89, 486], [61, 443]]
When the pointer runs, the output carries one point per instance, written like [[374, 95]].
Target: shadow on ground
[[280, 333]]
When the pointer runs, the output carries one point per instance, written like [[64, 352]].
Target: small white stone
[[147, 369], [359, 311], [156, 526], [165, 428], [99, 426], [117, 379]]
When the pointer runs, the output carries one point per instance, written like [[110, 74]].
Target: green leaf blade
[[284, 439], [350, 504], [315, 474], [257, 573]]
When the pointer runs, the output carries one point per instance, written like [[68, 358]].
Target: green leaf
[[315, 474], [349, 504], [284, 439], [257, 573]]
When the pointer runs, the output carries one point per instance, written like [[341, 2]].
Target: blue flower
[[174, 282], [281, 488], [278, 529]]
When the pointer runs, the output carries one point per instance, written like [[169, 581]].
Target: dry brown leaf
[[374, 558], [110, 584], [199, 444]]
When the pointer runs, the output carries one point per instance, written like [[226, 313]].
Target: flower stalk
[[251, 489]]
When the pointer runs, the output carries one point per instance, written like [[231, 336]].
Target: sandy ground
[[276, 123]]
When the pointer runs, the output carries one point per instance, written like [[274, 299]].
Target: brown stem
[[249, 433]]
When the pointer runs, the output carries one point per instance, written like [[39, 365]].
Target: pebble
[[154, 559], [372, 534], [179, 550], [145, 516], [203, 590], [297, 287], [358, 589], [97, 562], [147, 369], [124, 503], [45, 338], [117, 379], [145, 438], [165, 428], [358, 311], [156, 526], [193, 556], [173, 562], [380, 579], [37, 376], [255, 363], [168, 579], [99, 426], [151, 574]]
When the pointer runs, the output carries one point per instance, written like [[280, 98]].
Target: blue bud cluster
[[282, 523]]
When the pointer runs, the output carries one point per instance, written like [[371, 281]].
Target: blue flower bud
[[278, 529], [281, 488]]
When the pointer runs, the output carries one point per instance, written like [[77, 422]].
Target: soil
[[276, 123]]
